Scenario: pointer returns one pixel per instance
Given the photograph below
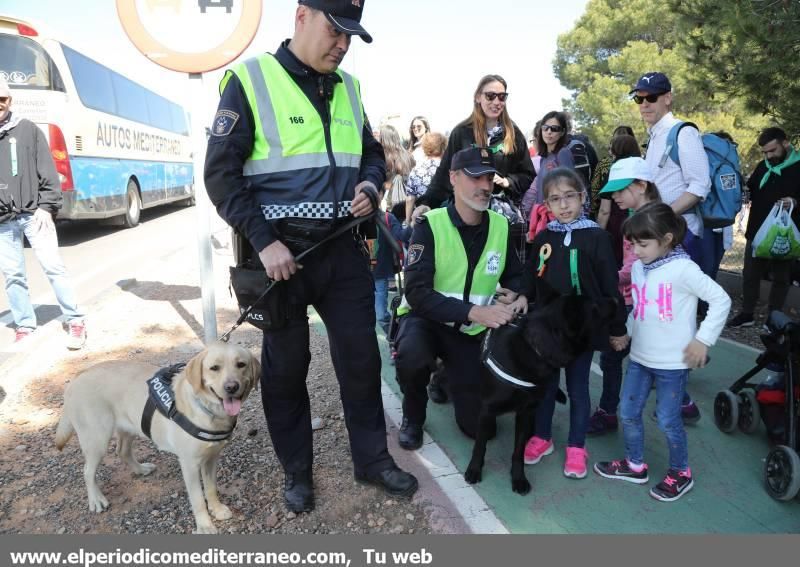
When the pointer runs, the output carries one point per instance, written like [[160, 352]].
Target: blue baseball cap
[[652, 83]]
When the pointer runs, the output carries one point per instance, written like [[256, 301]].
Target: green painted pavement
[[728, 496]]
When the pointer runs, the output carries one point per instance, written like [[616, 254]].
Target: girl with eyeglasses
[[418, 128], [573, 255], [489, 126]]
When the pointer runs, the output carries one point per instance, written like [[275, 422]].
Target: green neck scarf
[[791, 159]]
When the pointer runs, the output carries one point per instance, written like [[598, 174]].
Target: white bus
[[118, 146]]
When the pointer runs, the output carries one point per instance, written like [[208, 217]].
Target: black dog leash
[[373, 197]]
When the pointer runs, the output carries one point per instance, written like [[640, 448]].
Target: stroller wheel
[[726, 411], [782, 473], [749, 411]]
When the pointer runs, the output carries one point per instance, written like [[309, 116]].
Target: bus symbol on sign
[[227, 4]]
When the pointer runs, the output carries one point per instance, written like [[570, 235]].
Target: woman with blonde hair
[[488, 126], [399, 164], [433, 146]]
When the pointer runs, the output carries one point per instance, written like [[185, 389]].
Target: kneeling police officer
[[457, 257]]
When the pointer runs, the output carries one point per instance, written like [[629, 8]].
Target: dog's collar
[[162, 398]]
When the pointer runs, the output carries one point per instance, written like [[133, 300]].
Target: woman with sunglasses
[[490, 126], [551, 145], [419, 127]]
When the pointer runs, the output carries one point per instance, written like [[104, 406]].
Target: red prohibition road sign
[[191, 36]]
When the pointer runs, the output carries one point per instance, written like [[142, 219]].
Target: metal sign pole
[[203, 208]]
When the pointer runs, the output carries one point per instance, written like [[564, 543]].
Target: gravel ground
[[42, 490]]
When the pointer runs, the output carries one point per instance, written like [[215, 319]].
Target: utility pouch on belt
[[249, 280], [301, 234]]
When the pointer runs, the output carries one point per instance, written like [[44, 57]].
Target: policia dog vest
[[451, 263], [292, 169]]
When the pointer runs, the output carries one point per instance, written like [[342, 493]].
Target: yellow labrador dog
[[110, 398]]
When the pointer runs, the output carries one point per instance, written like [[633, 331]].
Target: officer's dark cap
[[344, 15], [475, 162]]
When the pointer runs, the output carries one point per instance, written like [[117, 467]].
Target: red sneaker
[[77, 335], [22, 334]]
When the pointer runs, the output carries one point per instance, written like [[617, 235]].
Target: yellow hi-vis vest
[[451, 263], [289, 168]]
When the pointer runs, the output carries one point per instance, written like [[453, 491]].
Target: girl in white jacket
[[665, 344]]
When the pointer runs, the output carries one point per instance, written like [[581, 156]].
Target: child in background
[[665, 344], [630, 185], [573, 255]]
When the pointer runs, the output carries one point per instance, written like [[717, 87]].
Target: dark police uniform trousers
[[419, 342], [336, 281]]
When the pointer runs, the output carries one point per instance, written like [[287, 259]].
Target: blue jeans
[[12, 264], [381, 299], [577, 375], [712, 250], [670, 388], [611, 365]]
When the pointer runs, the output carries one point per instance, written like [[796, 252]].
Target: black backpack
[[585, 158]]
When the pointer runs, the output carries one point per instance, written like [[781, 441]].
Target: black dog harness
[[160, 397]]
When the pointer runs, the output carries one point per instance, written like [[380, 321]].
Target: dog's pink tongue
[[232, 406]]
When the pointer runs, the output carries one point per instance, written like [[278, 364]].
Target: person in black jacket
[[30, 197], [490, 126], [774, 180], [285, 203]]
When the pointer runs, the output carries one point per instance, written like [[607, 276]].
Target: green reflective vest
[[289, 167], [451, 263]]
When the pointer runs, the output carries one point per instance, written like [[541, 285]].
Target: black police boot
[[436, 392], [393, 481], [410, 435], [298, 491]]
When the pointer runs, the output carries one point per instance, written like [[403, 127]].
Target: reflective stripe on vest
[[289, 137], [451, 262]]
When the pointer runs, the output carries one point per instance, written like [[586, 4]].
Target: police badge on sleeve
[[224, 122]]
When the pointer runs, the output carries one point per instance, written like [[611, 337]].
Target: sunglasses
[[550, 128], [4, 99], [651, 98], [490, 96]]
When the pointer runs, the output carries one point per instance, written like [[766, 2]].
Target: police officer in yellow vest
[[291, 154], [462, 277]]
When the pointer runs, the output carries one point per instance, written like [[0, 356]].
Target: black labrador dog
[[522, 358]]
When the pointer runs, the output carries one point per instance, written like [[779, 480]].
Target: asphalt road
[[98, 257]]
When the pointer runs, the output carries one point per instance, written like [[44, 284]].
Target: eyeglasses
[[567, 198], [651, 98], [490, 96], [550, 128]]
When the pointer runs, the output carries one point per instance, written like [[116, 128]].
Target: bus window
[[92, 80], [159, 111], [25, 64], [179, 125], [131, 99]]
